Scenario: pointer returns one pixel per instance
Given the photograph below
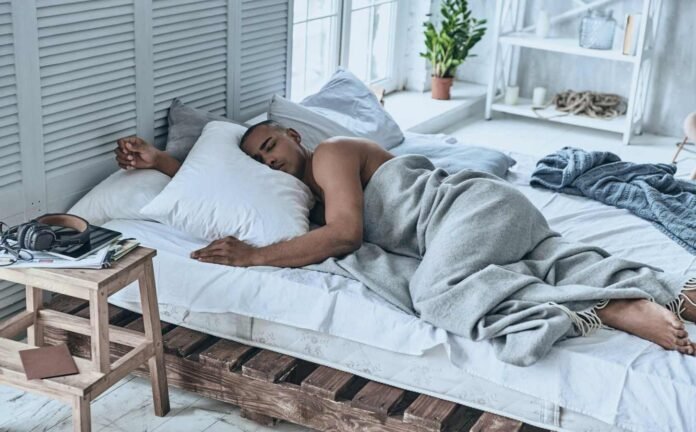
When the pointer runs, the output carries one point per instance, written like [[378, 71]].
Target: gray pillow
[[349, 102], [313, 128], [185, 126], [454, 157]]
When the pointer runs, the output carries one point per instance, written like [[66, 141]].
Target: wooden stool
[[98, 374]]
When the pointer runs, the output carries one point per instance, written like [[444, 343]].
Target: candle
[[539, 97], [512, 93], [542, 24]]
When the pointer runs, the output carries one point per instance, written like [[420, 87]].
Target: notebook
[[48, 362]]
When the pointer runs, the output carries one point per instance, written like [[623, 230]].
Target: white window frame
[[342, 38]]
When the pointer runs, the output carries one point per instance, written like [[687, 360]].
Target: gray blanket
[[648, 190], [470, 254]]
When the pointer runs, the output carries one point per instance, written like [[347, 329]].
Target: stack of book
[[105, 247]]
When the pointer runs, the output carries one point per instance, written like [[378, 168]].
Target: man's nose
[[271, 162]]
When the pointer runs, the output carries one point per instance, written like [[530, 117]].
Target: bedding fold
[[650, 191], [470, 254]]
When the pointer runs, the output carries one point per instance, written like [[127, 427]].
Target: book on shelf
[[631, 33]]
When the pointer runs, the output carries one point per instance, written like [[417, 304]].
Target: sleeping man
[[466, 252]]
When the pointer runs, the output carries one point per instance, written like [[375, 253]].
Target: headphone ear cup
[[41, 238], [22, 234]]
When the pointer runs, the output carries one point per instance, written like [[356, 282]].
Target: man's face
[[276, 148]]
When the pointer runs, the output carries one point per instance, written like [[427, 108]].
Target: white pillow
[[220, 191], [349, 102], [313, 127], [120, 196]]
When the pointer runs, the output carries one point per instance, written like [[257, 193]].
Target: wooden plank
[[433, 414], [117, 315], [259, 418], [67, 304], [83, 326], [268, 366], [327, 383], [378, 398], [182, 341], [139, 326], [494, 423], [226, 354], [34, 300], [10, 327], [99, 319]]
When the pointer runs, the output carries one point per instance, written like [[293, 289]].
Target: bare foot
[[650, 321]]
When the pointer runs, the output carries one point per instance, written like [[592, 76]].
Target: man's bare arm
[[337, 172], [135, 153]]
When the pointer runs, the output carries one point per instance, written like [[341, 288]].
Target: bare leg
[[649, 321]]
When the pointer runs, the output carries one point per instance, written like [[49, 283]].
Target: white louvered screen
[[264, 60], [190, 57], [11, 193], [87, 69]]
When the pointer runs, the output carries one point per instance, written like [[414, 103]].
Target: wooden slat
[[268, 366], [225, 354], [139, 326], [10, 327], [327, 383], [66, 304], [182, 341], [116, 314], [433, 414], [494, 423], [378, 398]]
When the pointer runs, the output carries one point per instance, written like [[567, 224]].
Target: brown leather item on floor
[[48, 362]]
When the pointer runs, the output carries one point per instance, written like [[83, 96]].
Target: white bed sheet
[[637, 387]]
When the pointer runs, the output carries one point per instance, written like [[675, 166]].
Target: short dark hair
[[270, 123]]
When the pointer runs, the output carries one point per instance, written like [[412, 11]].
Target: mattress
[[607, 381]]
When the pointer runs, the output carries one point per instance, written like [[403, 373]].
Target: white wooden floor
[[128, 405]]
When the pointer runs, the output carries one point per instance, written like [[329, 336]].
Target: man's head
[[274, 145]]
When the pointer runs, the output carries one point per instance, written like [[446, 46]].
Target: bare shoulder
[[337, 153]]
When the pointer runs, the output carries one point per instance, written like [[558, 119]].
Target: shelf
[[524, 108], [12, 373], [563, 45]]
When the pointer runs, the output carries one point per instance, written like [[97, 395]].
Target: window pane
[[320, 52], [300, 11], [299, 58], [381, 41], [319, 8], [359, 43], [357, 4]]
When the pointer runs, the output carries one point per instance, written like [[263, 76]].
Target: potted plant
[[449, 47]]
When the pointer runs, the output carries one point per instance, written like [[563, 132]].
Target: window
[[357, 34]]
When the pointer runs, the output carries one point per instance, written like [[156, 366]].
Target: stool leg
[[82, 418], [35, 332], [153, 332], [99, 317]]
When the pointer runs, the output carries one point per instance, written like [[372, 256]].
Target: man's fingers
[[209, 251], [214, 259]]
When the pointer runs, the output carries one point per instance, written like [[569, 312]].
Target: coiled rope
[[592, 104]]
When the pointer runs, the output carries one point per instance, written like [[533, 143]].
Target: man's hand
[[134, 152], [227, 251]]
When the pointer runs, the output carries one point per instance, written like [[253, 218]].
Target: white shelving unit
[[510, 36]]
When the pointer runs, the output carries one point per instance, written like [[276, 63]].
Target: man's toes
[[683, 342], [675, 322], [688, 350], [682, 334]]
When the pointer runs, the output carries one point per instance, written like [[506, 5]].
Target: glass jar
[[597, 30]]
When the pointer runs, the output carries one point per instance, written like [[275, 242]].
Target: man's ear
[[292, 133]]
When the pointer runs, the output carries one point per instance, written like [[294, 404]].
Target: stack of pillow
[[219, 191]]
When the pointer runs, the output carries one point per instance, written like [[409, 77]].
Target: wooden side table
[[98, 374]]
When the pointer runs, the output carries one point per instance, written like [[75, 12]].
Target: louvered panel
[[11, 299], [264, 47], [87, 69], [11, 187], [190, 57]]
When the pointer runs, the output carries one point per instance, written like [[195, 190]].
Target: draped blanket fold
[[650, 191], [470, 254]]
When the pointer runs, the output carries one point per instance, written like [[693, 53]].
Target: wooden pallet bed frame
[[269, 386]]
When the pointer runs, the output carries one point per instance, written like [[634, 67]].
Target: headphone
[[39, 234]]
